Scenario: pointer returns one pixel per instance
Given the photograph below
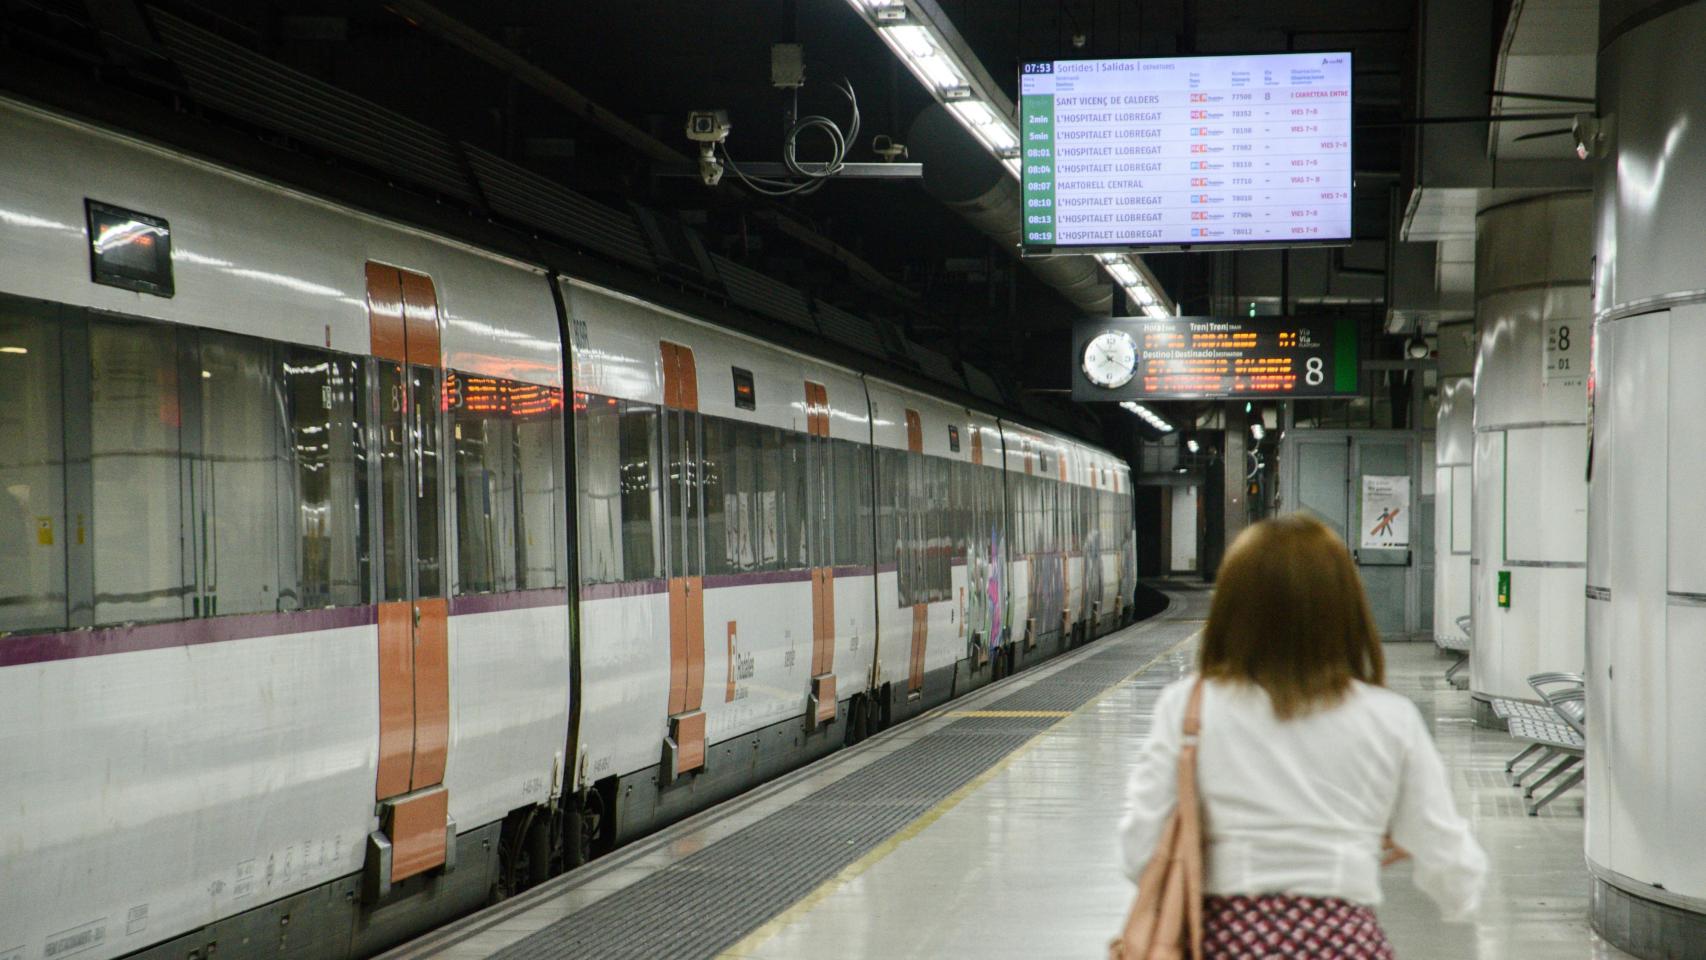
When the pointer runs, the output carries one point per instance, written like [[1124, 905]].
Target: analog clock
[[1110, 359]]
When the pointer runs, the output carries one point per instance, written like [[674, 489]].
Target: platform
[[986, 829]]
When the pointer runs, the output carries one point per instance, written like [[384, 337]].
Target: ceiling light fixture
[[921, 36], [1148, 416]]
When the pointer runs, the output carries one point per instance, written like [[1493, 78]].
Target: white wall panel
[[1635, 391]]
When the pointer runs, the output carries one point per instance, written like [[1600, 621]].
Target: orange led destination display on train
[[1212, 357]]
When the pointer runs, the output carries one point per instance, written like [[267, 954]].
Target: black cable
[[811, 180]]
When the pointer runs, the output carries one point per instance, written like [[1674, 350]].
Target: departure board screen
[[1219, 357], [1185, 152]]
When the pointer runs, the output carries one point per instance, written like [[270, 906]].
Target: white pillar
[[1454, 448], [1530, 502], [1646, 574]]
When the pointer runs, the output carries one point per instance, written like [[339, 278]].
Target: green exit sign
[[1504, 588]]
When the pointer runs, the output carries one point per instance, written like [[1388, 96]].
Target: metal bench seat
[[1561, 738], [1507, 709], [1457, 645]]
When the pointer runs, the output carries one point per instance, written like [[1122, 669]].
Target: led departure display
[[1183, 152], [1216, 357]]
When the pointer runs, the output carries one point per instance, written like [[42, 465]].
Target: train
[[353, 575]]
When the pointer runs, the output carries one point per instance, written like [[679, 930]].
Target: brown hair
[[1290, 616]]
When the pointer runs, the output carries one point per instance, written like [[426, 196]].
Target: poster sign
[[1385, 513], [1563, 351]]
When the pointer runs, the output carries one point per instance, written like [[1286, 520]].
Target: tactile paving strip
[[709, 900]]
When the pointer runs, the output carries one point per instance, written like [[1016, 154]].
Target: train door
[[684, 746], [406, 391], [913, 537], [820, 548]]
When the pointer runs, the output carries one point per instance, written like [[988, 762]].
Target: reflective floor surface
[[1024, 865]]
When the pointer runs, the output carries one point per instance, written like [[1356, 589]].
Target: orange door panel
[[420, 320], [826, 620], [416, 827], [385, 312], [432, 692], [695, 642], [729, 689], [396, 699], [920, 632], [677, 646], [680, 376], [689, 731]]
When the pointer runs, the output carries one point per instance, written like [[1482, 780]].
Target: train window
[[682, 483], [767, 502], [795, 490], [852, 515], [135, 422], [128, 249], [33, 533], [616, 444], [746, 397], [234, 482], [506, 483], [722, 526], [428, 431], [889, 496], [394, 501], [640, 485], [541, 559], [327, 534], [953, 438]]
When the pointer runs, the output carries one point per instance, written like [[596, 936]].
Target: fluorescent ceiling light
[[986, 125], [930, 52], [1148, 416]]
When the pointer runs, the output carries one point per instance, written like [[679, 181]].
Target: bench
[[1458, 645], [1555, 728]]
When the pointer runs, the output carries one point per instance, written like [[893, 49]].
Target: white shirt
[[1300, 806]]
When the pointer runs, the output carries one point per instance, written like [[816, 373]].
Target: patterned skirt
[[1279, 927]]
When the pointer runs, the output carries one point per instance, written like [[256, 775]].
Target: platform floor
[[985, 829]]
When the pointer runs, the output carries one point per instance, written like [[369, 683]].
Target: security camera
[[708, 126]]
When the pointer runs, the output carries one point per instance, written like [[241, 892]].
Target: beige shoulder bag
[[1166, 919]]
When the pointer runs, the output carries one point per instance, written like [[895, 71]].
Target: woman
[[1309, 769]]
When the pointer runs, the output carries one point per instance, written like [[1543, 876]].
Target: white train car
[[940, 530], [726, 586], [351, 575], [283, 600]]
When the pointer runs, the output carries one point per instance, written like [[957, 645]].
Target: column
[[1646, 573], [1454, 449], [1528, 542]]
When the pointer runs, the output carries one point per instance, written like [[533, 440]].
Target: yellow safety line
[[763, 934], [1009, 713]]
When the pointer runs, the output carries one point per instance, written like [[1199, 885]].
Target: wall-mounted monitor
[[1137, 358], [1184, 153]]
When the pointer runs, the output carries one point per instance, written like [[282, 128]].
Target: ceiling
[[883, 248]]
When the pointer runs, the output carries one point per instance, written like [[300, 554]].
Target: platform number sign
[[1565, 352]]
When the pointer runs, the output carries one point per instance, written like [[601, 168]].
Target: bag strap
[[1193, 711]]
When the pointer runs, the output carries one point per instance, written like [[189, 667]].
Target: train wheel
[[524, 852], [584, 827], [858, 719]]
